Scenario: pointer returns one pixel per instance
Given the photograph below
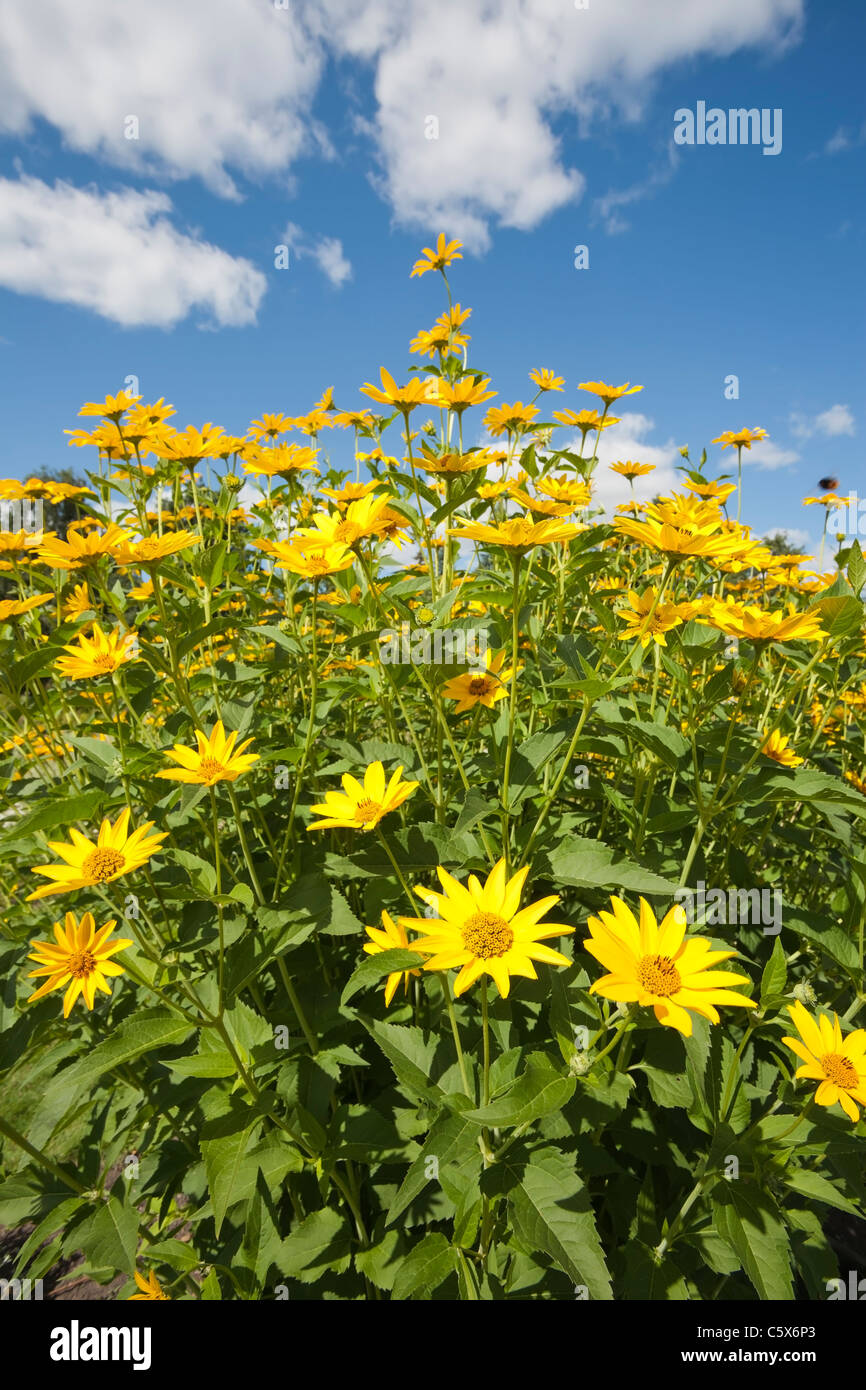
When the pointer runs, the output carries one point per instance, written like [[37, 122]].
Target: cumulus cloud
[[222, 87], [326, 251], [627, 440], [118, 255], [769, 456], [839, 419]]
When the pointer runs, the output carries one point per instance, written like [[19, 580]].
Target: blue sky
[[155, 257]]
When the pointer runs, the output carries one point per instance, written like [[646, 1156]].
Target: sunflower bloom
[[97, 655], [215, 760], [150, 1289], [838, 1064], [446, 252], [480, 687], [518, 533], [115, 853], [360, 807], [79, 959], [775, 746], [653, 963], [389, 937], [481, 929]]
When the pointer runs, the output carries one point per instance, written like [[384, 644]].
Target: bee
[[828, 484]]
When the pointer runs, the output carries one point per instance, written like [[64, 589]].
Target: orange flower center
[[479, 685], [659, 975], [81, 964], [367, 811], [210, 768], [102, 865], [839, 1069], [487, 936], [105, 661]]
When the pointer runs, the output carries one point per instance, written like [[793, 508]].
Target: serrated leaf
[[752, 1224], [427, 1265], [552, 1212], [373, 968]]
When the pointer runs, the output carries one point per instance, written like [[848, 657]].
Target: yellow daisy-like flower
[[403, 398], [719, 492], [446, 252], [681, 527], [362, 518], [115, 853], [518, 533], [546, 380], [480, 929], [740, 439], [82, 549], [270, 426], [112, 407], [632, 470], [154, 548], [759, 626], [215, 760], [775, 746], [467, 391], [640, 624], [480, 687], [96, 655], [360, 807], [502, 419], [838, 1064], [14, 608], [78, 602], [653, 963], [311, 564], [279, 459], [150, 1289], [859, 783], [389, 937], [80, 958], [606, 393]]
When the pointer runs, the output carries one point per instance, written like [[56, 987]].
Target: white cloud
[[118, 255], [769, 456], [213, 83], [626, 441], [326, 251], [608, 206], [793, 535], [226, 86], [839, 419], [845, 139]]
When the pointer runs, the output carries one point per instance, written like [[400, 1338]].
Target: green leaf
[[819, 1189], [451, 1139], [552, 1212], [202, 874], [427, 1265], [373, 968], [840, 616], [775, 974], [540, 1089], [585, 863], [410, 1054], [320, 1243], [749, 1220], [59, 810], [856, 568], [144, 1031], [109, 1238], [223, 1161]]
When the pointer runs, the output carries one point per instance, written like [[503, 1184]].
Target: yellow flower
[[566, 491], [17, 542], [837, 1063], [775, 746], [547, 380], [80, 958], [608, 394], [518, 533], [639, 624], [403, 398], [480, 687], [270, 426], [350, 492], [743, 439], [759, 626], [215, 760], [652, 963], [509, 418], [154, 548], [632, 470], [467, 391], [114, 854], [78, 602], [684, 526], [190, 445], [480, 929], [391, 936], [13, 608], [280, 458], [360, 807], [112, 407], [79, 549], [718, 492], [362, 518], [150, 1289], [312, 564], [97, 655], [445, 253], [858, 782]]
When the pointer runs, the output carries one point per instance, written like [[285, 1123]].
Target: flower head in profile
[[214, 760], [361, 807], [775, 746], [150, 1289], [446, 252], [740, 439], [112, 407], [78, 960], [100, 654], [115, 853], [518, 533], [606, 393], [152, 549], [310, 564], [838, 1064], [480, 687], [632, 470], [509, 419], [81, 549], [389, 937], [15, 608], [481, 929], [403, 398], [654, 963]]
